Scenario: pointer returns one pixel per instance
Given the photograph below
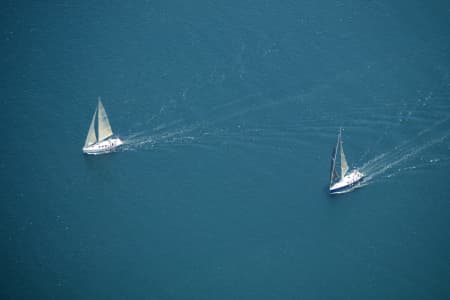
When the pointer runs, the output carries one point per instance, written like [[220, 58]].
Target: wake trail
[[173, 136], [180, 132], [425, 139]]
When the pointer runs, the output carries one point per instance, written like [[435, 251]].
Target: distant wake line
[[425, 139]]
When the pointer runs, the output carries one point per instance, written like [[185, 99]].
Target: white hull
[[103, 147], [347, 183]]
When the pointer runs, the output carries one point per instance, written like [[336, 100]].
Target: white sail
[[344, 165], [104, 129], [333, 174], [91, 137]]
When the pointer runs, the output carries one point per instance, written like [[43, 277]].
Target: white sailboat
[[345, 181], [106, 141]]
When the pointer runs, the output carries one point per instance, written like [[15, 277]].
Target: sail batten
[[91, 138], [104, 128]]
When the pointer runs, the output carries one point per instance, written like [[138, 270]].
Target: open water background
[[230, 110]]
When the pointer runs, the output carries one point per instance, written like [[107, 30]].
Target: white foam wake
[[408, 150]]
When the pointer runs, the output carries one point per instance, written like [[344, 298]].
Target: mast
[[91, 137], [104, 128]]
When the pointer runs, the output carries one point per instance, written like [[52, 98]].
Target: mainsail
[[335, 163], [344, 165], [334, 175], [91, 137], [104, 129]]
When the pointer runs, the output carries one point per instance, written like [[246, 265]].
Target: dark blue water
[[229, 112]]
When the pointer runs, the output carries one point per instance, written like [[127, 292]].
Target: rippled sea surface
[[229, 112]]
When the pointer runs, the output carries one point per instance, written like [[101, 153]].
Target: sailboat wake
[[175, 136], [386, 165], [221, 124]]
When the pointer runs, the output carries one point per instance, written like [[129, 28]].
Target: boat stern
[[118, 142]]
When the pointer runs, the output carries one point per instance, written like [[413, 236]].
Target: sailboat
[[345, 181], [106, 141]]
